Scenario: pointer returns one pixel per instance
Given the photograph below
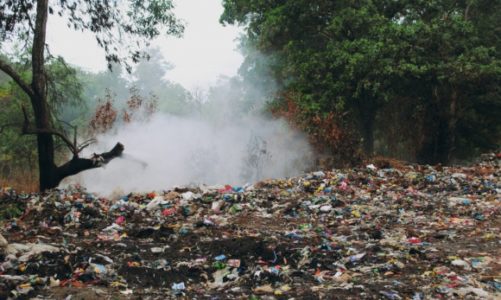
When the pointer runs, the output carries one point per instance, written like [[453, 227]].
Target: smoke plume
[[170, 151]]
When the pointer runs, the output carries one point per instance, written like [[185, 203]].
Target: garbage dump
[[374, 232]]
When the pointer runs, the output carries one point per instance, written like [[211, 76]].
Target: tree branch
[[74, 131], [16, 77], [30, 23], [86, 144], [68, 143], [77, 146], [77, 165]]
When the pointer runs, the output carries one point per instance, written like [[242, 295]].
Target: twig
[[74, 127], [86, 144], [30, 23]]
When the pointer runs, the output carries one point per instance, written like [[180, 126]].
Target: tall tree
[[121, 29]]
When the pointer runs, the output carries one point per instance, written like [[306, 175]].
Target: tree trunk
[[368, 134], [47, 169], [447, 130], [451, 125], [439, 141], [45, 141], [367, 110]]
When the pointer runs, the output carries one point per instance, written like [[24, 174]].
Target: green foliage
[[122, 28], [377, 62], [17, 151], [64, 88]]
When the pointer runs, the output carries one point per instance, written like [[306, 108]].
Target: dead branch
[[77, 165], [82, 145]]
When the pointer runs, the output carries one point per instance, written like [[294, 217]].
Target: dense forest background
[[413, 80]]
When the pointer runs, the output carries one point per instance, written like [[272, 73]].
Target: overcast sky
[[205, 52]]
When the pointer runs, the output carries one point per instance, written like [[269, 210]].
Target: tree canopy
[[429, 69], [121, 28]]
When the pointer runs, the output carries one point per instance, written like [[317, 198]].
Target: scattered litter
[[416, 232]]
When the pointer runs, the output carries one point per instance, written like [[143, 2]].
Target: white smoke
[[169, 150]]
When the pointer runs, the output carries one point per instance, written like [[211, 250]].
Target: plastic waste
[[399, 232]]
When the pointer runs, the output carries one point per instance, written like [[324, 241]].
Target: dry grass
[[26, 184]]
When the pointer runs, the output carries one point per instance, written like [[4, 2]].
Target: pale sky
[[206, 51]]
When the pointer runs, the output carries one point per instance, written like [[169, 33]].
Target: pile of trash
[[413, 232]]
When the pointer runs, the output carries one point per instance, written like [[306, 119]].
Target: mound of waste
[[412, 232]]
